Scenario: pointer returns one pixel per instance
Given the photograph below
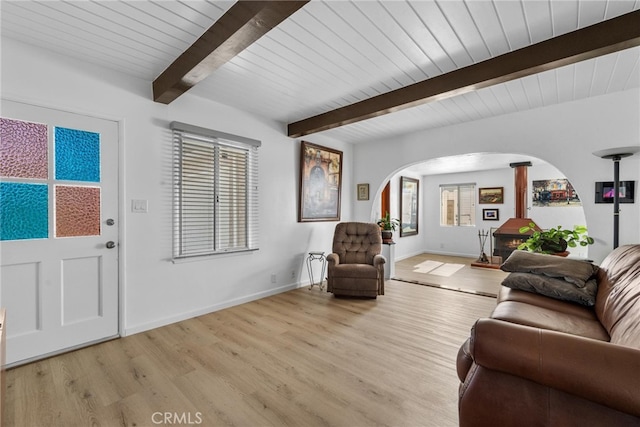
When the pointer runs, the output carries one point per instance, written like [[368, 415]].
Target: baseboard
[[209, 309], [408, 256]]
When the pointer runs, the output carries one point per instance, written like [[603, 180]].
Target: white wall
[[564, 136], [464, 241], [568, 216], [156, 291]]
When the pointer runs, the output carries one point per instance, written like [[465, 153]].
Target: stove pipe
[[521, 179], [508, 236]]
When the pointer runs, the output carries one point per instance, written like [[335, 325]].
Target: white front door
[[58, 229]]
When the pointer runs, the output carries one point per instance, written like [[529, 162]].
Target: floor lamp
[[616, 154]]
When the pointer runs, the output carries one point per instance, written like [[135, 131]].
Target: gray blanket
[[571, 270]]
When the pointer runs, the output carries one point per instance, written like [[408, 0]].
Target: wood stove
[[507, 237]]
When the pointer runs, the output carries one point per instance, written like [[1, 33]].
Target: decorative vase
[[559, 247], [387, 236]]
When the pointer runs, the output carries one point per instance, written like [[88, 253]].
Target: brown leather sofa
[[540, 361]]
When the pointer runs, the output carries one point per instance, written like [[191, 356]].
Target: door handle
[[110, 245]]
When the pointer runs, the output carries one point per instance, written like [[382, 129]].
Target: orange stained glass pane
[[77, 211]]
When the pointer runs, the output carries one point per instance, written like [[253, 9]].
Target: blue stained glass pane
[[24, 211], [77, 155]]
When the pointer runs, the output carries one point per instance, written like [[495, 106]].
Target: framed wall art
[[605, 192], [491, 195], [320, 183], [491, 214], [408, 206], [557, 193], [363, 191]]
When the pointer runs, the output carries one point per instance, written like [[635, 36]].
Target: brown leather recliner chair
[[356, 267]]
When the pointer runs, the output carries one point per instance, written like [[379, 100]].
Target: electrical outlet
[[273, 278], [293, 274], [441, 245]]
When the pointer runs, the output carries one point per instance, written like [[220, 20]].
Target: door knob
[[110, 245]]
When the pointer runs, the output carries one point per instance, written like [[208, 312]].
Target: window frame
[[223, 171], [470, 189]]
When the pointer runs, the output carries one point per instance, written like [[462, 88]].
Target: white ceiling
[[333, 53], [469, 162]]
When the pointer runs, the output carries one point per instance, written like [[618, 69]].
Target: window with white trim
[[215, 192], [458, 205]]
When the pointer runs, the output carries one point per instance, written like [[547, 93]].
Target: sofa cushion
[[618, 299], [571, 270], [356, 271], [549, 319], [554, 288]]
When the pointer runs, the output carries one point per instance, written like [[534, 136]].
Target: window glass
[[215, 193], [457, 205]]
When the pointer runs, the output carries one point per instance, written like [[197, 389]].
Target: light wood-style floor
[[301, 358], [481, 281]]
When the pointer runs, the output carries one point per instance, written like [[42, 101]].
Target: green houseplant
[[388, 225], [554, 240]]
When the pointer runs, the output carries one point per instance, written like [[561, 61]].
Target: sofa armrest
[[595, 370], [333, 259]]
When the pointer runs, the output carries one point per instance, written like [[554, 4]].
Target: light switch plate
[[139, 206]]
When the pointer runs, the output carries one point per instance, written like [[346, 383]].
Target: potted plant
[[388, 225], [554, 240]]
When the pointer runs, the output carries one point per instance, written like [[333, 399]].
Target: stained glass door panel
[[24, 211], [77, 155], [23, 149]]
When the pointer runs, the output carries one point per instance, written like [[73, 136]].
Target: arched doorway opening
[[482, 170]]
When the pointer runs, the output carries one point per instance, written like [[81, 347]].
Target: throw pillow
[[554, 288], [571, 270]]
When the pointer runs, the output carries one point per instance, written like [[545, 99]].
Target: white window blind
[[457, 205], [215, 192]]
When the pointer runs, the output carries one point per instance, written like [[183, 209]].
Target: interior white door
[[58, 230]]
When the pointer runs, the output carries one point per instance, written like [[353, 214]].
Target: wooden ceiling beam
[[244, 23], [606, 37]]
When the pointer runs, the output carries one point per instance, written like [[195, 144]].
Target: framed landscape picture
[[490, 214], [491, 195], [320, 183]]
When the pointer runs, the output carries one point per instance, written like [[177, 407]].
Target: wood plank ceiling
[[330, 54]]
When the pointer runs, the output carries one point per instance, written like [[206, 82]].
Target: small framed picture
[[363, 191], [490, 214]]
